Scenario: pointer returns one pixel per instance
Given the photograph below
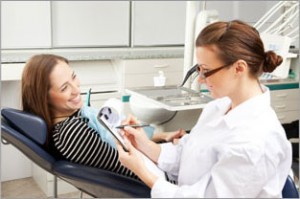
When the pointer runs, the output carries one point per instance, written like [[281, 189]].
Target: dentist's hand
[[137, 137], [133, 161], [140, 141], [130, 120]]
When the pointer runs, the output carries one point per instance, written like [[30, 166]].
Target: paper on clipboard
[[114, 132]]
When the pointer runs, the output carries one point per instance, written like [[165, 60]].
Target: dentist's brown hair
[[236, 40]]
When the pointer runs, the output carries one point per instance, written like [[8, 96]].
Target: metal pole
[[55, 187], [192, 8]]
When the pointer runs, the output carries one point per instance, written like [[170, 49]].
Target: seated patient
[[51, 90]]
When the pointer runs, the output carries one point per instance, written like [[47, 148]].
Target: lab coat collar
[[247, 110]]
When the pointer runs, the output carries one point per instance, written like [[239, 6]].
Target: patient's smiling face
[[64, 92]]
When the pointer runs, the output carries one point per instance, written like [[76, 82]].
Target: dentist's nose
[[201, 80]]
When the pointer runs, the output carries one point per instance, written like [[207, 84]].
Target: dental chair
[[28, 133], [290, 190]]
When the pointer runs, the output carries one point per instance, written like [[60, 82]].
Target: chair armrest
[[294, 140]]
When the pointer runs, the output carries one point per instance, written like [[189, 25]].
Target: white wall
[[14, 165]]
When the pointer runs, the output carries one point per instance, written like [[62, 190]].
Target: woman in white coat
[[238, 147]]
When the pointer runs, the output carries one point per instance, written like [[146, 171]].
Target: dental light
[[279, 35]]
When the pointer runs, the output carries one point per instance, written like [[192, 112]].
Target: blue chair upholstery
[[289, 189], [28, 133]]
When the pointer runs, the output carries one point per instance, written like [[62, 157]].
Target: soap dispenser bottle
[[160, 80]]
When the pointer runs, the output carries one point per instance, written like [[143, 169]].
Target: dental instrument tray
[[172, 98]]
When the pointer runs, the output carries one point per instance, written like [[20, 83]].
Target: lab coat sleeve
[[164, 189], [169, 158], [243, 172], [238, 173]]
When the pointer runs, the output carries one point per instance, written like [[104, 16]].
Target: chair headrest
[[30, 125]]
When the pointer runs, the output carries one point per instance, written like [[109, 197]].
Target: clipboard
[[114, 133]]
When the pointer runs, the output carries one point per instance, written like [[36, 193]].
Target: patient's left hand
[[168, 136]]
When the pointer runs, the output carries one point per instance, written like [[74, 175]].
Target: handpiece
[[189, 73]]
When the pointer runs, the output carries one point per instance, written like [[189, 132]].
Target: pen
[[132, 125]]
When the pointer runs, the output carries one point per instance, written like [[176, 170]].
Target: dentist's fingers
[[126, 120], [125, 156], [137, 137], [121, 151], [130, 120], [128, 143], [131, 131], [120, 148]]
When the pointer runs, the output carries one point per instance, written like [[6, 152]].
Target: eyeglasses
[[204, 73]]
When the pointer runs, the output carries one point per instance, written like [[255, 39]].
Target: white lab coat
[[244, 153]]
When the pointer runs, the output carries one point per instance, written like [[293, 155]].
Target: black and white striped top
[[75, 141]]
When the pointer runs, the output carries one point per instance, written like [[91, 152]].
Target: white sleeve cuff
[[168, 159], [163, 189]]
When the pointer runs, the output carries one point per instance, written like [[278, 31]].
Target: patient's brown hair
[[36, 84]]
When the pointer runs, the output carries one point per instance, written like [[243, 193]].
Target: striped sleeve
[[79, 143]]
